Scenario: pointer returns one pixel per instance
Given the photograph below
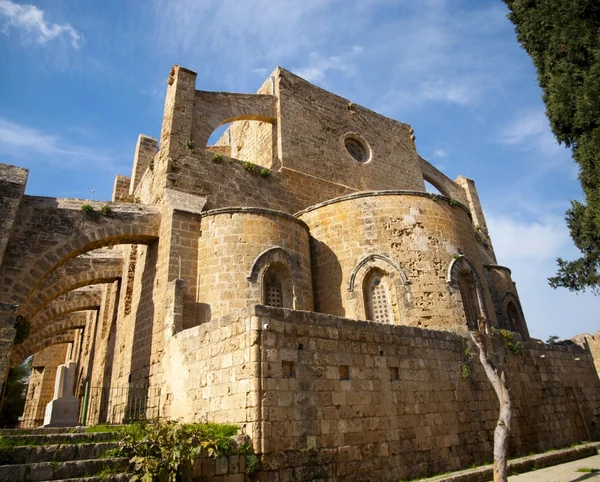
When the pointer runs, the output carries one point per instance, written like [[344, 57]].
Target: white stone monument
[[63, 410]]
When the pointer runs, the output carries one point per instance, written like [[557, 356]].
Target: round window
[[356, 149]]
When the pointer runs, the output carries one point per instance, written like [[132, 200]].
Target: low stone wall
[[368, 401], [230, 468]]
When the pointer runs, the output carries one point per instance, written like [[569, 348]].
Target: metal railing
[[122, 404]]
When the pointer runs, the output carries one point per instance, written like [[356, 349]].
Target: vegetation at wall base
[[563, 41], [166, 450]]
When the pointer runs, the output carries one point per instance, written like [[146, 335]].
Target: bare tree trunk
[[497, 378]]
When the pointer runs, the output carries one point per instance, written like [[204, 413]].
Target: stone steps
[[54, 453], [7, 432], [70, 469], [68, 455], [60, 438]]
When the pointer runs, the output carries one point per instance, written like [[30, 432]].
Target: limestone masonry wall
[[229, 248], [419, 237], [361, 366], [381, 402]]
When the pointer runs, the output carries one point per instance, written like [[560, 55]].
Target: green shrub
[[453, 202], [264, 172], [252, 464], [166, 450], [217, 158], [106, 210], [87, 208], [249, 166]]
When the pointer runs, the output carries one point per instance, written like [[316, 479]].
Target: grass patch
[[587, 470]]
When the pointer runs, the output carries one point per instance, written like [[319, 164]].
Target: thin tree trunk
[[497, 378]]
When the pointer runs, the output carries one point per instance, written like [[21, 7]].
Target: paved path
[[564, 472]]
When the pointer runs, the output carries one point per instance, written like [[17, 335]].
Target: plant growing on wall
[[191, 147], [106, 210], [512, 342], [264, 172], [87, 208], [249, 166]]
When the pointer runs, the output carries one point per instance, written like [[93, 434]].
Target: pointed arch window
[[377, 298]]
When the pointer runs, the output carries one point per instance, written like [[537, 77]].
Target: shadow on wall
[[326, 266], [142, 342]]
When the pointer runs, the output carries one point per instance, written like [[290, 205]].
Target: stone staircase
[[60, 454]]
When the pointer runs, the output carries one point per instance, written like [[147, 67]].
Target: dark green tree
[[14, 396], [563, 39]]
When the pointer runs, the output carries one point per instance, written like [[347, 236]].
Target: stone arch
[[98, 267], [52, 231], [76, 300], [398, 285], [441, 182], [463, 277], [512, 314], [65, 337], [280, 261], [70, 321], [213, 109]]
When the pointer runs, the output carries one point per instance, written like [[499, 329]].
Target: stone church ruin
[[295, 279]]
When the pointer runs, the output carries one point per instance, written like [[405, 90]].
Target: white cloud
[[22, 141], [517, 241], [30, 20], [530, 130], [439, 153], [318, 66], [530, 249]]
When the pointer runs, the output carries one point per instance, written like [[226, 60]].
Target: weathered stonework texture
[[295, 279]]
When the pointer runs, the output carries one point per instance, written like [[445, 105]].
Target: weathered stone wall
[[591, 343], [41, 383], [407, 407], [418, 234], [250, 141], [12, 187], [503, 290], [210, 374], [121, 189], [313, 124], [229, 246]]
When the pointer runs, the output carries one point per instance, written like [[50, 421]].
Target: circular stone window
[[357, 149]]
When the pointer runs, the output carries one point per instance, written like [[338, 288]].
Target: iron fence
[[120, 404]]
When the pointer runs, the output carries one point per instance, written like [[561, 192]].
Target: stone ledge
[[522, 464]]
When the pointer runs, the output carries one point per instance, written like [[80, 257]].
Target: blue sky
[[82, 79]]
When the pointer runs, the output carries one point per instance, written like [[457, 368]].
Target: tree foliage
[[14, 397], [563, 39]]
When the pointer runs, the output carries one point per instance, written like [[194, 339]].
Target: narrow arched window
[[468, 294], [514, 320], [377, 298], [273, 291]]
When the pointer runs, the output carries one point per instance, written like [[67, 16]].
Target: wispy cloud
[[318, 65], [30, 21], [22, 141], [439, 153], [530, 130]]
